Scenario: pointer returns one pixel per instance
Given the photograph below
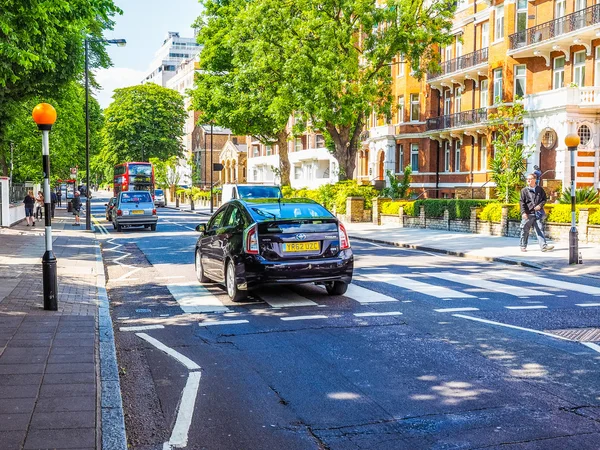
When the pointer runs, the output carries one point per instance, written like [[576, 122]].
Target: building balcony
[[463, 119], [578, 28], [457, 70], [569, 97], [381, 131]]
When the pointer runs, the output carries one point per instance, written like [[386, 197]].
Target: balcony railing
[[461, 63], [563, 25], [460, 119]]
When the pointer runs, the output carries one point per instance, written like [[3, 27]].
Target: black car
[[251, 243], [109, 208]]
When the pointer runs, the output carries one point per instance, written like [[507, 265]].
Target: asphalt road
[[425, 351]]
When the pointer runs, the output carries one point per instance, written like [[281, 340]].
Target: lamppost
[[572, 142], [88, 209], [211, 169], [44, 115]]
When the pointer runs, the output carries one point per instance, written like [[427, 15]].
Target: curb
[[112, 418], [187, 210]]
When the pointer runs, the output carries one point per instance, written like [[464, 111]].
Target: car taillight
[[119, 212], [252, 240], [154, 212], [344, 241]]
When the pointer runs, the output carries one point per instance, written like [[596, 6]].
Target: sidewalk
[[53, 369]]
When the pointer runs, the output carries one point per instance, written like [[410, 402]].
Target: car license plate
[[137, 211], [301, 247]]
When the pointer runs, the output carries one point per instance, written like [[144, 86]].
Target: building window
[[597, 67], [414, 157], [485, 34], [414, 107], [448, 53], [399, 158], [520, 74], [459, 46], [457, 156], [521, 19], [447, 102], [401, 64], [269, 150], [585, 134], [579, 69], [549, 138], [457, 100], [320, 141], [483, 94], [497, 86], [446, 156], [401, 109], [255, 150], [297, 172], [499, 23], [483, 154], [298, 144], [558, 73]]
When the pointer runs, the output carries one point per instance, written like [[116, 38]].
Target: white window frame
[[520, 75], [485, 34], [558, 73], [457, 145], [579, 68], [483, 154], [597, 66], [401, 65], [497, 88], [580, 5], [457, 100], [459, 46], [448, 53], [447, 102], [415, 102], [446, 156], [499, 24], [521, 10], [414, 154], [484, 95], [401, 109]]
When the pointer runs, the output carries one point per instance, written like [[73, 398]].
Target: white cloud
[[113, 78]]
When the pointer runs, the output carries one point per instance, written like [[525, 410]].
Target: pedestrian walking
[[76, 204], [538, 175], [39, 205], [533, 199], [29, 202], [59, 195], [53, 202]]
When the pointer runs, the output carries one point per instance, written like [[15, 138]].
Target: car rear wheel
[[119, 228], [336, 287], [199, 269], [153, 227], [232, 290]]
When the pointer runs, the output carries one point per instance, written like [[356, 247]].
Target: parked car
[[159, 198], [235, 191], [109, 208], [250, 243], [134, 208]]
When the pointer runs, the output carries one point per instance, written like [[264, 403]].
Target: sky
[[144, 24]]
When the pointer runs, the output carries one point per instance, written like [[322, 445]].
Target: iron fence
[[460, 119], [461, 63], [17, 192]]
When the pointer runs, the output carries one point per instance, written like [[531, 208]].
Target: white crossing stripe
[[527, 307], [207, 323], [488, 285], [363, 295], [456, 309], [414, 285], [375, 314], [592, 346], [549, 282], [195, 298], [303, 318], [284, 298], [142, 328], [500, 324], [587, 305]]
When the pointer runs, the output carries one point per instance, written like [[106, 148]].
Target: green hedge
[[335, 195], [556, 213], [493, 212], [457, 208], [394, 208]]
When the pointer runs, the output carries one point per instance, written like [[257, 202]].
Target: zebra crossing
[[502, 284]]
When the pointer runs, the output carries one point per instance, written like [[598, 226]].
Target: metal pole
[[88, 210], [211, 169], [49, 276], [11, 161], [573, 238]]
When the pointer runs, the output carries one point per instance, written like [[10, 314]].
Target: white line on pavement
[[142, 328], [208, 323], [549, 282], [179, 436], [188, 363], [527, 307], [374, 314], [131, 272], [303, 317], [362, 295], [413, 285], [476, 319], [170, 276], [586, 305], [592, 346], [455, 309], [471, 280]]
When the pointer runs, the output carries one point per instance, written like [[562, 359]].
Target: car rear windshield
[[158, 192], [290, 211], [259, 191], [138, 197]]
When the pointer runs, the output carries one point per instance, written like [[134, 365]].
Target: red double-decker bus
[[134, 176]]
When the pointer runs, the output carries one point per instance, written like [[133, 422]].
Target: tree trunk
[[3, 164], [346, 140], [284, 160]]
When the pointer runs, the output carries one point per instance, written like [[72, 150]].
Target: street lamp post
[[88, 208], [211, 169], [44, 115], [572, 142]]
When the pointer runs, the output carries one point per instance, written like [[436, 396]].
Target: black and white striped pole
[[44, 115]]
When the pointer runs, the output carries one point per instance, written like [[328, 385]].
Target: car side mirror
[[201, 228], [106, 204]]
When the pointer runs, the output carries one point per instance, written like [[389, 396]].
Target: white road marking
[[179, 435], [488, 285], [374, 314], [303, 318], [123, 318], [170, 276], [142, 328], [207, 323], [592, 346], [455, 309], [527, 307], [476, 319], [188, 363], [284, 298], [416, 286], [195, 298], [131, 272], [587, 305], [549, 282], [363, 295]]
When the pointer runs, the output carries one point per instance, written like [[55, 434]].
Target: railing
[[562, 25], [460, 119], [461, 63], [17, 193]]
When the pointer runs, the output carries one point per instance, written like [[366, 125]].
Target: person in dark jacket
[[53, 202], [76, 204], [29, 201], [533, 199]]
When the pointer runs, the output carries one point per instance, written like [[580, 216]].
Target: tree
[[398, 188], [241, 83], [510, 157], [144, 121], [42, 51]]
